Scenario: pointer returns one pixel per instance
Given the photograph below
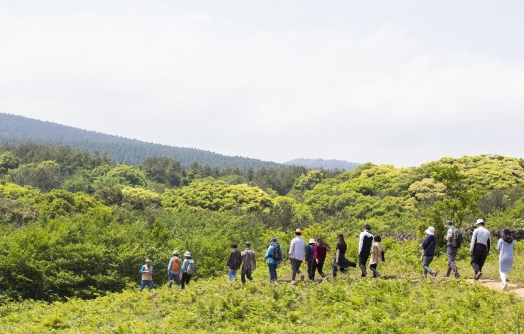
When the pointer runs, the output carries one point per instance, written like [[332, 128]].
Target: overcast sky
[[397, 82]]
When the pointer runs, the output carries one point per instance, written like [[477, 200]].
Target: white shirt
[[296, 249], [480, 236]]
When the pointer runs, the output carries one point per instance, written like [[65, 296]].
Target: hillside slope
[[18, 129]]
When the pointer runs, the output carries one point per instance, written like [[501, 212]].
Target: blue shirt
[[309, 252], [429, 245]]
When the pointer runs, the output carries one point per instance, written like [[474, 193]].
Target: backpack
[[456, 238], [276, 253], [190, 268], [176, 264]]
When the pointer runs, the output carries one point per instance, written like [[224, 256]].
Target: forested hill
[[19, 129], [322, 163]]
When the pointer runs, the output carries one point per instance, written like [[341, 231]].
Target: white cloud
[[270, 90]]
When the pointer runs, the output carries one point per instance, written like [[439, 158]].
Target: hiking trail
[[496, 285]]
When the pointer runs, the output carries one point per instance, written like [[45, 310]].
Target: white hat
[[311, 241], [175, 252], [187, 254], [480, 221], [430, 230]]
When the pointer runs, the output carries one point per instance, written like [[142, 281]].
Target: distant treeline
[[323, 163], [19, 129]]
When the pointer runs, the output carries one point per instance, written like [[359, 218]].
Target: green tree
[[460, 200]]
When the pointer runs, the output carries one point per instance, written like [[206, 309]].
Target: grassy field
[[402, 302]]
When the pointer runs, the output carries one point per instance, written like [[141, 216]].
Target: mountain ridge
[[16, 129]]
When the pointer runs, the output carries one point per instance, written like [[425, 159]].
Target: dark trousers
[[244, 273], [272, 271], [480, 252], [362, 260], [185, 279], [451, 253], [317, 266], [337, 267], [310, 270], [295, 268], [373, 268], [426, 260]]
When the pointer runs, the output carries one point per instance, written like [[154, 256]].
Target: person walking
[[505, 246], [428, 245], [310, 249], [340, 261], [319, 257], [275, 255], [233, 262], [296, 255], [451, 252], [249, 263], [147, 272], [479, 248], [377, 255], [364, 248], [188, 269], [173, 269]]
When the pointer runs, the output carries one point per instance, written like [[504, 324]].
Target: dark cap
[[449, 222], [340, 235], [273, 239]]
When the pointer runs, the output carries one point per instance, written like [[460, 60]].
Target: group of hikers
[[369, 248], [179, 271], [315, 254], [479, 250]]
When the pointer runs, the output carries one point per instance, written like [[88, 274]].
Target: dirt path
[[496, 285], [486, 282]]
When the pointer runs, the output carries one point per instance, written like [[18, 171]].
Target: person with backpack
[[310, 249], [505, 246], [173, 270], [340, 261], [188, 269], [275, 255], [296, 255], [319, 257], [453, 239], [233, 262], [479, 248], [249, 263], [377, 255], [147, 272], [428, 245], [364, 248]]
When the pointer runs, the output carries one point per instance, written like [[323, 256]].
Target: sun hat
[[430, 230], [298, 231], [175, 252], [187, 254], [148, 261], [311, 240], [480, 221]]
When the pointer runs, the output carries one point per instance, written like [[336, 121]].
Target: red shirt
[[319, 252]]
